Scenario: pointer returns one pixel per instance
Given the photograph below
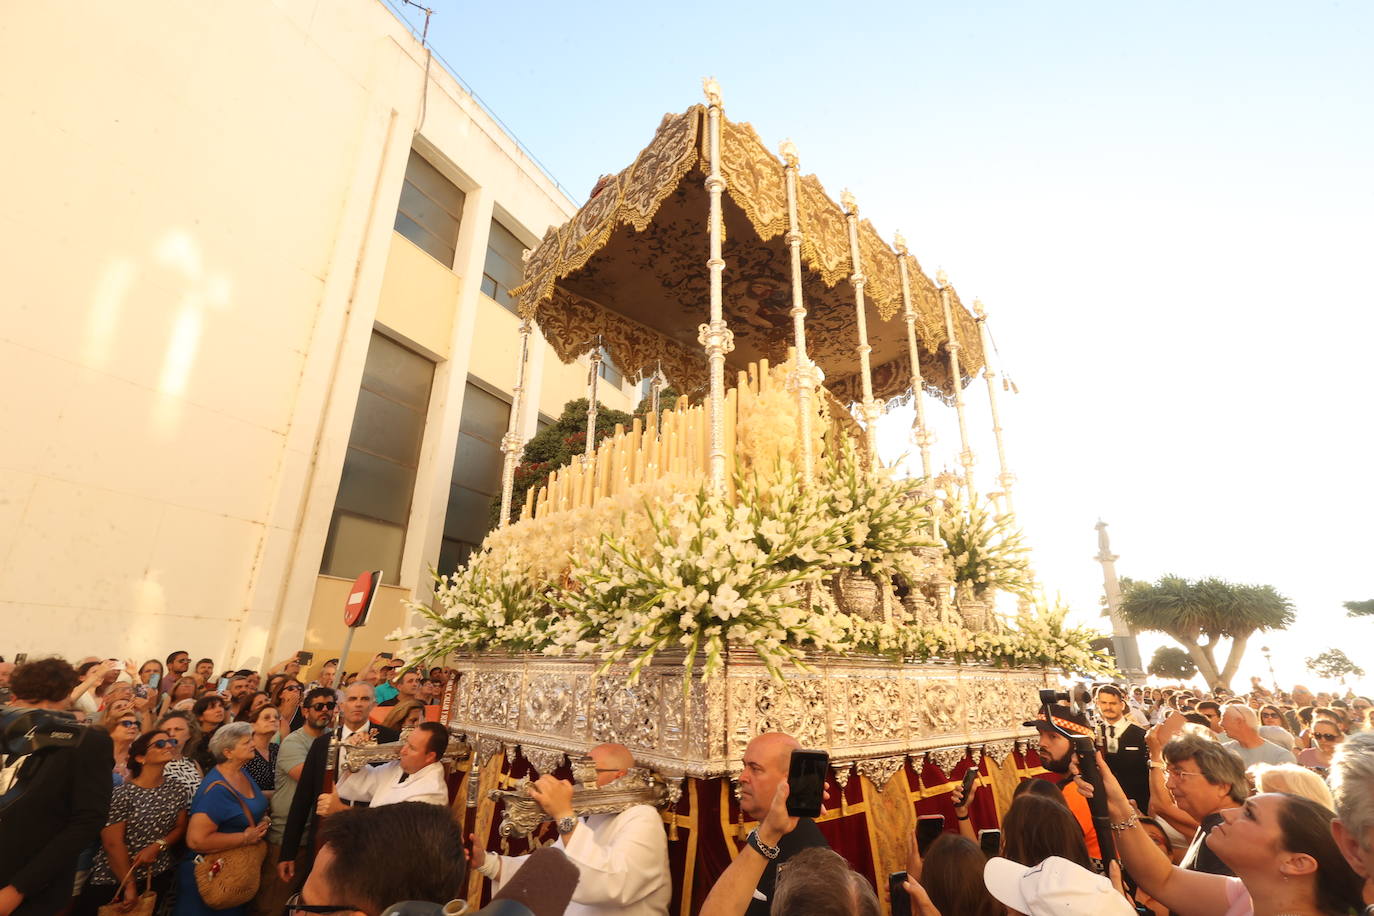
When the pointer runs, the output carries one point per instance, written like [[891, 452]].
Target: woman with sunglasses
[[1326, 738], [147, 818], [123, 728]]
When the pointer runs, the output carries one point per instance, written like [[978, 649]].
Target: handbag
[[143, 906], [230, 878]]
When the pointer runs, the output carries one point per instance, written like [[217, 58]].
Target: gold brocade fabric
[[630, 266], [884, 279], [753, 179], [825, 237], [571, 324]]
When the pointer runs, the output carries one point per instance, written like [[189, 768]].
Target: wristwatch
[[762, 848], [1158, 765], [162, 844], [567, 824]]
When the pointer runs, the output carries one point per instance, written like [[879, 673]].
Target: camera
[[1050, 697]]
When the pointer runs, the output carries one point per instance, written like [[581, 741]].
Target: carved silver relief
[[947, 758], [542, 759], [998, 751], [549, 702], [522, 815], [880, 770]]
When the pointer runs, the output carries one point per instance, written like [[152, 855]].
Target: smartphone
[[154, 681], [222, 686], [141, 691], [305, 658], [806, 782], [970, 777], [928, 829], [901, 900], [386, 655], [990, 841], [20, 658]]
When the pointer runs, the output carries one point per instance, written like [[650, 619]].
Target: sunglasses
[[164, 742], [129, 723], [321, 707], [296, 687], [1325, 736]]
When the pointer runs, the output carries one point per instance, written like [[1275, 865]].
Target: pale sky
[[1165, 208]]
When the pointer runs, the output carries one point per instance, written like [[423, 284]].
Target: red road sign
[[360, 598]]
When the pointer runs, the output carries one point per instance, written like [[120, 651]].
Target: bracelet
[[762, 848], [1158, 765], [962, 817], [1127, 824]]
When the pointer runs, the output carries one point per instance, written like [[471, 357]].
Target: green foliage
[[1173, 663], [1198, 613], [1360, 608], [1333, 663]]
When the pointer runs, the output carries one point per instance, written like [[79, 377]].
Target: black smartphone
[[305, 658], [20, 658], [386, 655], [901, 900], [928, 829], [970, 777], [806, 782], [990, 841], [222, 686]]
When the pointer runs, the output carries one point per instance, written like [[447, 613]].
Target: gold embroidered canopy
[[628, 269]]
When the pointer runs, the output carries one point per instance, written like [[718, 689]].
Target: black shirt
[[805, 836], [1199, 856]]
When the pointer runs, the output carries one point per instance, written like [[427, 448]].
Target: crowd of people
[[210, 790]]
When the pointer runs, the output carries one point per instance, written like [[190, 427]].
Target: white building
[[255, 334]]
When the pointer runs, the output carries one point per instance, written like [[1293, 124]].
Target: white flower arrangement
[[988, 553], [669, 565]]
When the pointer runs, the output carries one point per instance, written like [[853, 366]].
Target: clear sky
[[1165, 207]]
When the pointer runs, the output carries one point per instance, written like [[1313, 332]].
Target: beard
[[1054, 764]]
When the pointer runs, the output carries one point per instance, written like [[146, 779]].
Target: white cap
[[1055, 887]]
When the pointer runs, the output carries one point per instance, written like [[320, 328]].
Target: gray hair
[[1352, 785], [371, 691], [226, 736], [1220, 766]]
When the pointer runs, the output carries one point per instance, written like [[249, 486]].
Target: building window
[[504, 265], [372, 509], [430, 210], [607, 369], [476, 483]]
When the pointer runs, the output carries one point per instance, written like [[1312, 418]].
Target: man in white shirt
[[621, 859], [418, 776]]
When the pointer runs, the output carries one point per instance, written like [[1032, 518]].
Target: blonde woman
[[1293, 779]]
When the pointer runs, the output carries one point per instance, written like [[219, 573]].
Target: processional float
[[710, 260]]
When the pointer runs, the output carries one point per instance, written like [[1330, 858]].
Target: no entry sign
[[360, 598]]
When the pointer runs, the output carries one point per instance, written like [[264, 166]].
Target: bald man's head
[[612, 762], [766, 761]]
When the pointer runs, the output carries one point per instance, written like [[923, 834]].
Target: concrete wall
[[196, 242]]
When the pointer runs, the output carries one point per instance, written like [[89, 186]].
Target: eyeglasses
[[164, 742], [294, 905], [296, 687], [321, 707], [1179, 774], [1325, 736], [129, 723]]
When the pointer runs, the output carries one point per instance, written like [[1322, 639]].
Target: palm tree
[[1198, 613]]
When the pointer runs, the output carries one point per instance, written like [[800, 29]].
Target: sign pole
[[343, 658], [356, 609]]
